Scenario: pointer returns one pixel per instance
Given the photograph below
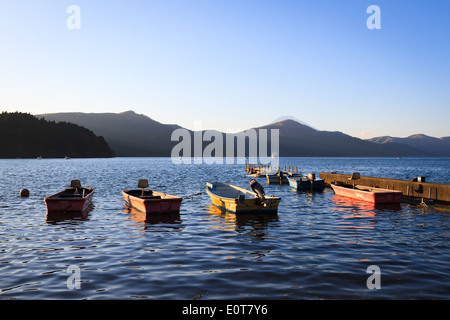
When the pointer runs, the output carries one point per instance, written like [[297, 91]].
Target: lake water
[[318, 246]]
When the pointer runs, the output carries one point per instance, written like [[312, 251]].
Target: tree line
[[23, 135]]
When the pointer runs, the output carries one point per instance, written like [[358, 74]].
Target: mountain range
[[134, 135], [428, 145], [127, 133]]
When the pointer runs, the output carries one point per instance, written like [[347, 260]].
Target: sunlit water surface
[[318, 245]]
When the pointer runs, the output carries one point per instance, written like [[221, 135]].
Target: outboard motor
[[259, 190]]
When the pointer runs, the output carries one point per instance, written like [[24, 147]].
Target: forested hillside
[[24, 136]]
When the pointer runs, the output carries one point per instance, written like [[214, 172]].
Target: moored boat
[[369, 194], [149, 201], [280, 176], [257, 172], [74, 199], [305, 183], [239, 200]]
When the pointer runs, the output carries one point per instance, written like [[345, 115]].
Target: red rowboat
[[152, 201], [148, 201], [75, 199], [374, 195]]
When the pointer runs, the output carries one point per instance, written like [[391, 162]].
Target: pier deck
[[410, 189]]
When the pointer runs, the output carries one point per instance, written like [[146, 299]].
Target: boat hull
[[248, 204], [305, 184], [373, 195], [66, 202], [155, 204]]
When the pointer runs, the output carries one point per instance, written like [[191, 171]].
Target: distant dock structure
[[260, 170]]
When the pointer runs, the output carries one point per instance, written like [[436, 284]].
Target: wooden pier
[[411, 189]]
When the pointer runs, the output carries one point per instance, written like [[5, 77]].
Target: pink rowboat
[[369, 194], [75, 199], [148, 201]]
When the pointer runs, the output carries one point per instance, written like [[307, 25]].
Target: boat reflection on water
[[254, 224], [361, 209], [227, 220], [357, 219], [152, 218], [61, 216]]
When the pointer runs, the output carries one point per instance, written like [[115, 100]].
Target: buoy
[[24, 193]]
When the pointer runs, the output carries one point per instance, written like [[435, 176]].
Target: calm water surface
[[317, 246]]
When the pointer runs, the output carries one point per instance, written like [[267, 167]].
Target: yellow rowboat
[[239, 200]]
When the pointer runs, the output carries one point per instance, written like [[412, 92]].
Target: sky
[[232, 65]]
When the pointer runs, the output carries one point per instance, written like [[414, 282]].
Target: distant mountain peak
[[128, 112], [133, 114], [285, 118], [419, 136]]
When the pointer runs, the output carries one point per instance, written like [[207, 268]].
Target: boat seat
[[70, 195], [142, 183], [150, 197], [75, 184], [355, 176]]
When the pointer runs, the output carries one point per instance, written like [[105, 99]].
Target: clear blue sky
[[233, 64]]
